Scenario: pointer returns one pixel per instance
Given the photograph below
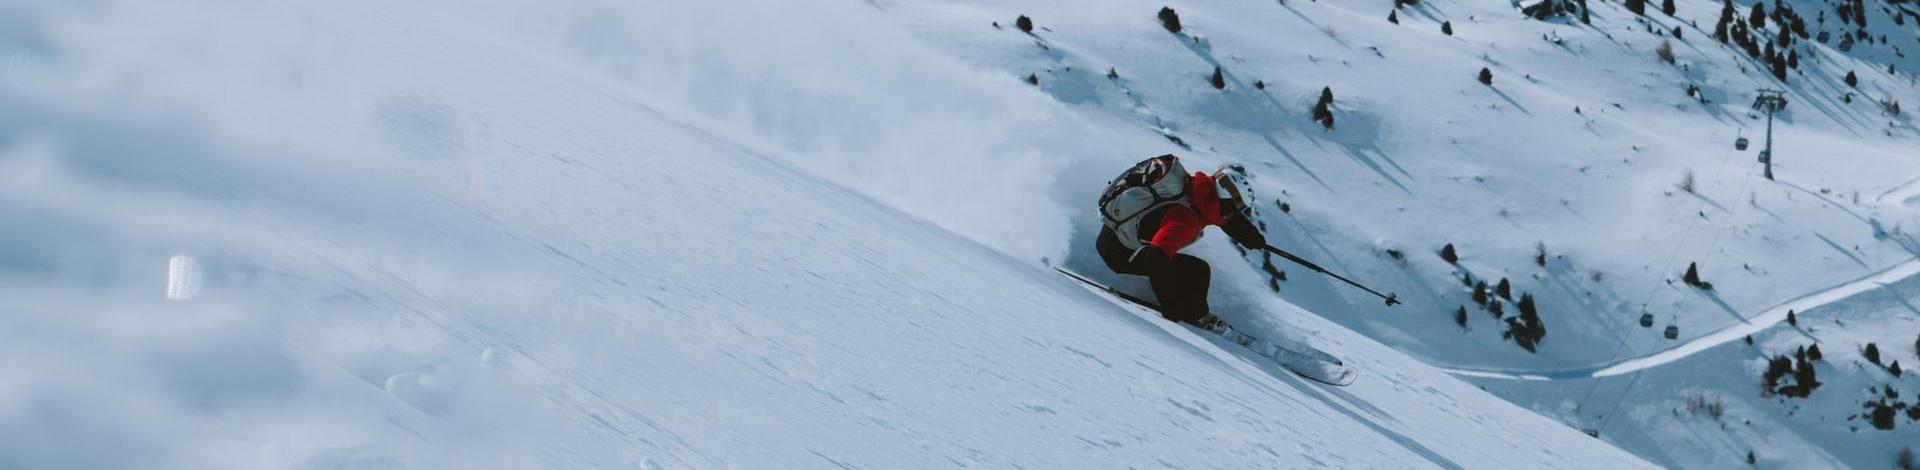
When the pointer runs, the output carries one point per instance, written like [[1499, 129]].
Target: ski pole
[[1391, 299]]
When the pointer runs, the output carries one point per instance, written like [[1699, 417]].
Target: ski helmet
[[1230, 183]]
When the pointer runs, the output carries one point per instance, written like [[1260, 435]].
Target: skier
[[1153, 211]]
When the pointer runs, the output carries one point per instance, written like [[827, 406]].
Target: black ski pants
[[1180, 283]]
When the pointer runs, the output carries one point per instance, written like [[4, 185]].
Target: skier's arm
[[1178, 228], [1240, 227]]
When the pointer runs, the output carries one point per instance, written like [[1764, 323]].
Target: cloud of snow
[[134, 132], [850, 97]]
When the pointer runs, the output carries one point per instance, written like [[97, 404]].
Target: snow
[[1752, 324], [1579, 147], [576, 235], [751, 233]]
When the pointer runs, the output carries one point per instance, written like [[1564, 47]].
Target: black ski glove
[[1240, 227]]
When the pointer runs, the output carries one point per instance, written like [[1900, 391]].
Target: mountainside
[[591, 234], [1484, 164]]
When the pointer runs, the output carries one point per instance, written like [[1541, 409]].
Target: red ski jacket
[[1180, 226]]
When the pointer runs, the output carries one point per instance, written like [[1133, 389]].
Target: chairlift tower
[[1770, 101]]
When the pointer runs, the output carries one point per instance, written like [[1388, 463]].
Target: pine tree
[[1218, 80], [1486, 76], [1446, 27], [1033, 79], [1666, 6], [1793, 59], [1873, 354], [1791, 320], [1447, 253], [1323, 109], [1024, 23], [1692, 278], [1852, 81], [1894, 368], [1813, 352], [1480, 293], [1504, 289], [1758, 19], [1393, 17], [1638, 7], [1170, 20], [1526, 329], [1584, 18], [1804, 381], [1460, 316]]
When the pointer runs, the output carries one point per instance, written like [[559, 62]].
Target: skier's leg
[[1115, 254], [1182, 288]]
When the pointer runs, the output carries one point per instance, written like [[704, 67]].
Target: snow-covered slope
[[1584, 174], [596, 235]]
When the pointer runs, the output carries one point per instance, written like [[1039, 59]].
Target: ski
[[1302, 360]]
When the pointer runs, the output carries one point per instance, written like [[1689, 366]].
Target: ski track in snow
[[1750, 325]]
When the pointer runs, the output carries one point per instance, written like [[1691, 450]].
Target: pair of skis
[[1302, 360]]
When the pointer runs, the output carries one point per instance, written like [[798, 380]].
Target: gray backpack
[[1150, 185]]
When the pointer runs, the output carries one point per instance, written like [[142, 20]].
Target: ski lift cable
[[1606, 419], [1712, 247]]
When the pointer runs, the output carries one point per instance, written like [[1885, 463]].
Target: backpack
[[1150, 185]]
